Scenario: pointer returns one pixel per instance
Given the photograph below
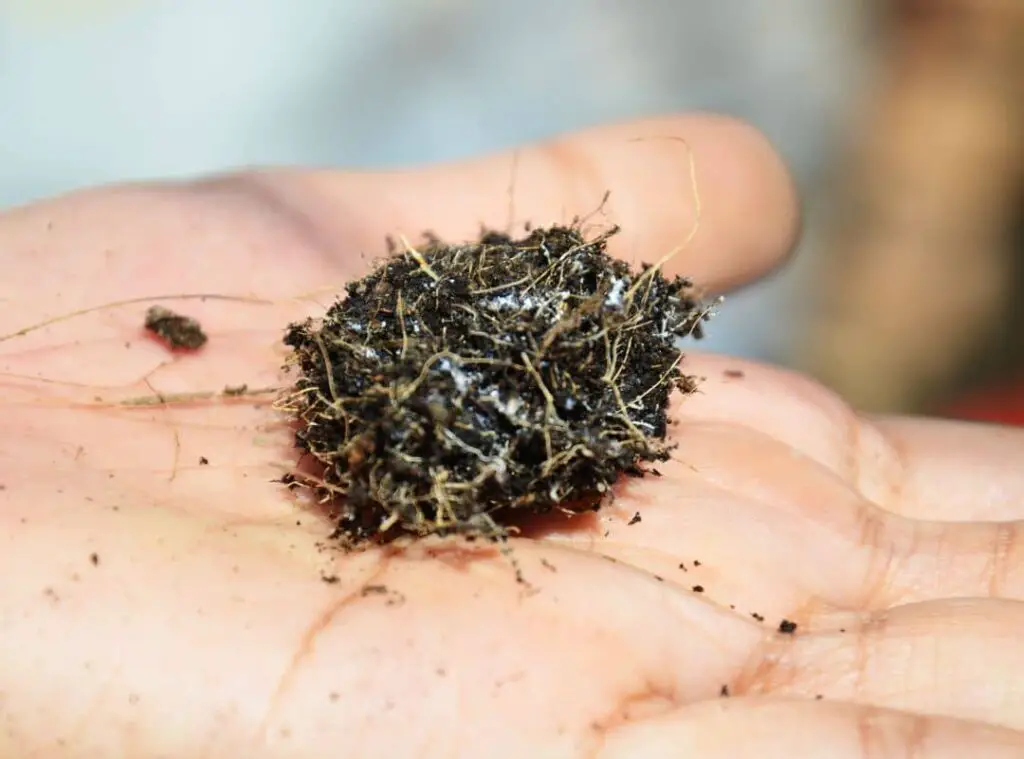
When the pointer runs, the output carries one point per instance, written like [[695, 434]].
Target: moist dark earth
[[458, 387]]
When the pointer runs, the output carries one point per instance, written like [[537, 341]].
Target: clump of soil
[[179, 332], [459, 387]]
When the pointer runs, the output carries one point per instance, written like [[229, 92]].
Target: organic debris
[[180, 332], [458, 387]]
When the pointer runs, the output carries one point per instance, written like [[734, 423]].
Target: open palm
[[162, 596]]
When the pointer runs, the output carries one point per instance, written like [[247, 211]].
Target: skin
[[156, 606]]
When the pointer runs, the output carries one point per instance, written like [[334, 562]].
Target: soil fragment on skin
[[178, 331]]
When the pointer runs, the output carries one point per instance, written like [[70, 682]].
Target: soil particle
[[178, 331]]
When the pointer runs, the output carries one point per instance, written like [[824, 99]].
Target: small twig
[[176, 398], [419, 259], [697, 209]]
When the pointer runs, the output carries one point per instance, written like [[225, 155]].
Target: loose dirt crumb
[[179, 332]]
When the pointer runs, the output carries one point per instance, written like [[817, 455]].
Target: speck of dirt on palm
[[95, 559], [203, 461], [635, 520], [698, 588], [724, 692], [757, 616], [177, 331], [787, 627]]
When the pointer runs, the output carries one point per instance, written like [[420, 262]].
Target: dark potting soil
[[457, 387]]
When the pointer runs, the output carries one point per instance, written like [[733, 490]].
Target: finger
[[744, 504], [954, 658], [923, 469], [762, 727], [748, 214], [915, 470], [838, 546], [957, 471], [785, 406], [731, 509]]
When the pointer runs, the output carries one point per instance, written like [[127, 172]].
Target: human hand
[[157, 606]]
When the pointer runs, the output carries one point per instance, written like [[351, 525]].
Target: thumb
[[744, 209]]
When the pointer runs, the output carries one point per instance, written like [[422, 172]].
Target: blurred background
[[903, 121]]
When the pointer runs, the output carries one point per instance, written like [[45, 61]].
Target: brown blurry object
[[918, 269]]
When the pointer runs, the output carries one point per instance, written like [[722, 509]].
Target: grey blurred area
[[108, 90]]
